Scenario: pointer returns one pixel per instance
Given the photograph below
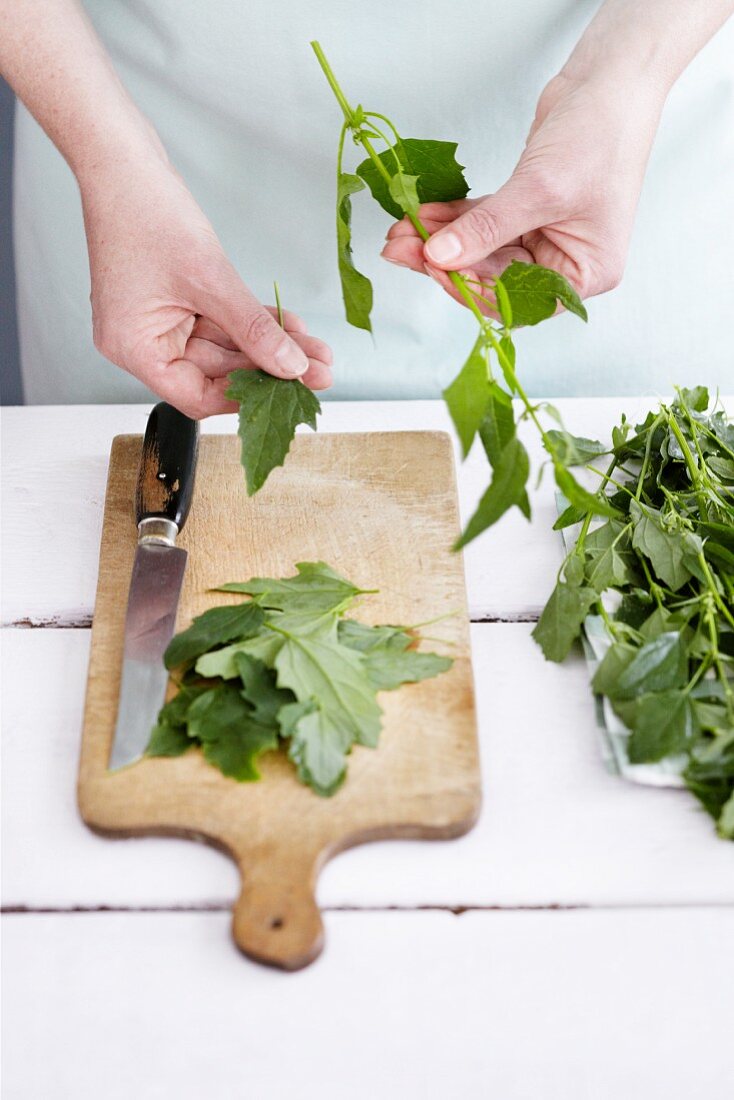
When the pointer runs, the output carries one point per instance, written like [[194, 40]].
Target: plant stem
[[277, 302], [341, 98]]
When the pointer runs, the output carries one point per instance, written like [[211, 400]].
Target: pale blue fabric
[[246, 115]]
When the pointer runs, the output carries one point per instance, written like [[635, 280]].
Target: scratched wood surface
[[380, 508]]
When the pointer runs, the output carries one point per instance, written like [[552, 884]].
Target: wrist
[[115, 151]]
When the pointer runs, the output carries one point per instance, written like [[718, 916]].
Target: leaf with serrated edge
[[270, 410]]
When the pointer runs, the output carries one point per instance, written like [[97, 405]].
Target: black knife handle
[[167, 467]]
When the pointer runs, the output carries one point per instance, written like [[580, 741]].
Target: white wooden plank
[[556, 828], [53, 481], [419, 1006]]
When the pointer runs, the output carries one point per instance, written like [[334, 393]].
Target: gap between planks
[[455, 910]]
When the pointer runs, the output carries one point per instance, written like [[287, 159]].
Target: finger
[[445, 211], [251, 327], [183, 385], [406, 228], [405, 252], [291, 321], [207, 330], [316, 350], [318, 376], [490, 224], [214, 360]]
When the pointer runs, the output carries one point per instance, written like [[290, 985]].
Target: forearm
[[652, 39], [56, 64]]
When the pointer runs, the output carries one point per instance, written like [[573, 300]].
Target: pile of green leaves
[[406, 173], [270, 411], [285, 667], [660, 572]]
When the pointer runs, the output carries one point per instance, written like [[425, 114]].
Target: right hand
[[168, 306]]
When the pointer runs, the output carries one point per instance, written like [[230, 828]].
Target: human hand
[[168, 306], [569, 204]]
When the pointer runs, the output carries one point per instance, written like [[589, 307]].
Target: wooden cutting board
[[381, 509]]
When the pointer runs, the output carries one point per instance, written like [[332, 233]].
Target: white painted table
[[577, 944]]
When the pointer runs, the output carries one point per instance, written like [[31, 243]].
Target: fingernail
[[291, 359], [444, 248]]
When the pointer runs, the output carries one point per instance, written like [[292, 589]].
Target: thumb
[[252, 329], [493, 222]]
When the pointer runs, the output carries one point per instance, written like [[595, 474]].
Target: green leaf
[[534, 291], [356, 287], [270, 410], [260, 689], [665, 549], [662, 726], [403, 191], [223, 662], [335, 677], [469, 396], [497, 426], [579, 497], [696, 398], [168, 740], [315, 588], [658, 666], [221, 720], [440, 178], [560, 622], [318, 747], [389, 669], [607, 562], [575, 450], [506, 488], [215, 627], [612, 665], [568, 517], [722, 467]]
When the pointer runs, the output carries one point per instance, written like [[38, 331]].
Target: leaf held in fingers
[[534, 293], [440, 178], [356, 287], [270, 410]]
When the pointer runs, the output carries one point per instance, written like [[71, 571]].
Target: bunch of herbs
[[659, 571]]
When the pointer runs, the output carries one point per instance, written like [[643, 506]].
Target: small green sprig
[[660, 574], [403, 174]]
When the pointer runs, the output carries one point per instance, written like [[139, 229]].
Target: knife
[[162, 500]]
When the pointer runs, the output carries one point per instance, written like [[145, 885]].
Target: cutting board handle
[[276, 919]]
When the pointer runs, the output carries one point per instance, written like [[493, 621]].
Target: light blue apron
[[245, 113]]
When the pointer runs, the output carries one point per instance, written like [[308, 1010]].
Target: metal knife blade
[[163, 496]]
